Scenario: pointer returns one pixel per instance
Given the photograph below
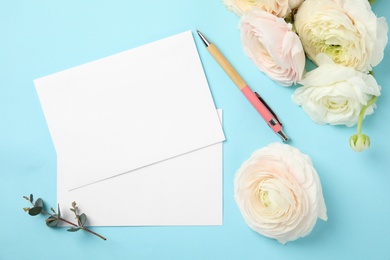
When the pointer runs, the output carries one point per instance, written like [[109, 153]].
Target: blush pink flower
[[272, 46], [279, 193]]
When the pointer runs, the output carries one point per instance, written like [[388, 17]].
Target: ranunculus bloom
[[272, 46], [348, 31], [279, 193], [279, 8], [334, 94]]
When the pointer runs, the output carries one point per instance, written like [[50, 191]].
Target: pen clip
[[270, 110]]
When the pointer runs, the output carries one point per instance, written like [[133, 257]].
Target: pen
[[254, 98]]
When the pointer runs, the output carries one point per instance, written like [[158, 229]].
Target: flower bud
[[359, 142]]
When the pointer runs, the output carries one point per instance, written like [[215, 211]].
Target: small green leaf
[[82, 218], [39, 203], [52, 222], [35, 211], [31, 198], [26, 209], [59, 212], [72, 229]]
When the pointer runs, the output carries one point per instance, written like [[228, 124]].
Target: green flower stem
[[361, 115], [71, 223]]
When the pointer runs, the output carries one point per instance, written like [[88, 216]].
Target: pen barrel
[[262, 109], [226, 66], [258, 104]]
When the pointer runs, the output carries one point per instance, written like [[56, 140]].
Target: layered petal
[[334, 94], [272, 46], [347, 31]]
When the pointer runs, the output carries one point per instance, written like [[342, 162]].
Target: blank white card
[[129, 110], [182, 191]]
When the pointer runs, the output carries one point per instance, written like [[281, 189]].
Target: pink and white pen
[[258, 103]]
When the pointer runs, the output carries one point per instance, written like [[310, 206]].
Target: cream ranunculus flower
[[279, 8], [272, 46], [334, 94], [348, 31], [279, 193]]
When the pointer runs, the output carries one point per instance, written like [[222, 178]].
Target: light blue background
[[41, 37]]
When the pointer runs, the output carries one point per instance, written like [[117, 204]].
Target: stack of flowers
[[344, 38]]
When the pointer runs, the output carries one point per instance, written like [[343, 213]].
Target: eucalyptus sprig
[[55, 217]]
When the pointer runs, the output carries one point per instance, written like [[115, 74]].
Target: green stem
[[94, 233], [73, 224], [67, 221], [363, 111]]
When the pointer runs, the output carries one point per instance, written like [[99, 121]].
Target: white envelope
[[185, 190], [129, 110]]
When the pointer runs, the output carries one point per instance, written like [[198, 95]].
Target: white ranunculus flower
[[279, 193], [272, 46], [348, 31], [279, 8], [334, 94]]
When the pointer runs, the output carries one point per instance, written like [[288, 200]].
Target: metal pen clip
[[273, 121]]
